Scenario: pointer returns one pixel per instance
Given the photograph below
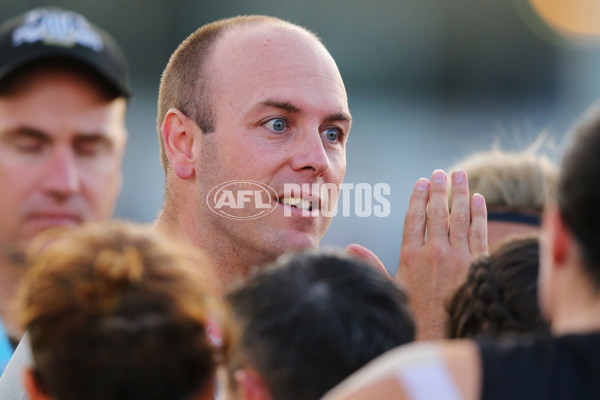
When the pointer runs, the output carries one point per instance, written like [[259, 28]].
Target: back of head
[[578, 190], [499, 297], [520, 182], [312, 319], [115, 312]]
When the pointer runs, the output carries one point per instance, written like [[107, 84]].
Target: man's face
[[281, 118], [61, 144]]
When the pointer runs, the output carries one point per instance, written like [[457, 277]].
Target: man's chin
[[297, 241], [14, 253], [36, 238], [298, 232], [40, 224]]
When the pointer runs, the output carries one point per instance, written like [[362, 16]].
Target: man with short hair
[[257, 99], [63, 90]]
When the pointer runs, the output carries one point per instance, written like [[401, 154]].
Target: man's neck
[[579, 320], [576, 308], [10, 277], [231, 261]]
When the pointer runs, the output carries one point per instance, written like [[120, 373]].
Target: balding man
[[258, 101]]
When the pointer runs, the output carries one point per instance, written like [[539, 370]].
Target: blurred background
[[428, 82]]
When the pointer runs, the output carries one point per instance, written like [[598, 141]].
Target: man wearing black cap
[[63, 90]]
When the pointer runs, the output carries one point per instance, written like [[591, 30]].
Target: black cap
[[54, 32]]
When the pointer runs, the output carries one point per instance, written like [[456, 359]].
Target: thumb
[[366, 255]]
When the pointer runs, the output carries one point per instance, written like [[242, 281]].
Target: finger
[[460, 216], [364, 254], [478, 242], [437, 209], [416, 217]]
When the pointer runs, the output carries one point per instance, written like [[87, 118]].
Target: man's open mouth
[[297, 202]]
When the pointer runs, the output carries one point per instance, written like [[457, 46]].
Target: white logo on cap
[[57, 28]]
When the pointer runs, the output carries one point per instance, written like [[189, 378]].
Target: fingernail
[[439, 176], [477, 200], [422, 184], [355, 250], [458, 176]]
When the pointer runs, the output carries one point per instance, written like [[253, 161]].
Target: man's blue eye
[[331, 134], [276, 124]]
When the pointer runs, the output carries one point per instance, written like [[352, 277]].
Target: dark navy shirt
[[562, 368]]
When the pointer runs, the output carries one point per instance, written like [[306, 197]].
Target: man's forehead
[[274, 61], [58, 71], [25, 114], [259, 33], [265, 43]]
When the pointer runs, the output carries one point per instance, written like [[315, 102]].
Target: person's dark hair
[[579, 192], [114, 312], [312, 319], [499, 297]]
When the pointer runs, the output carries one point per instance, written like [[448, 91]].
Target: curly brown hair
[[117, 312]]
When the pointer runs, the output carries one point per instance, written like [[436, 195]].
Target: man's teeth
[[300, 203]]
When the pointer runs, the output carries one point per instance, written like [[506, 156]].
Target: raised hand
[[438, 247]]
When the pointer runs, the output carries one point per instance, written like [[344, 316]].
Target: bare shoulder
[[463, 361], [448, 370]]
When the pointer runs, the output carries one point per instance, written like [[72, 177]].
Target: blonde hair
[[520, 182]]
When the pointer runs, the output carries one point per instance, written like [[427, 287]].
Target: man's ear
[[33, 387], [560, 236], [251, 385], [178, 140]]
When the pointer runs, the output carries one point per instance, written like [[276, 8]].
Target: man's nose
[[309, 154], [62, 175]]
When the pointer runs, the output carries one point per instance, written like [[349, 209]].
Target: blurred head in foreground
[[117, 312], [309, 321]]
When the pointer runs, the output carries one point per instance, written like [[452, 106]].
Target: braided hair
[[499, 297]]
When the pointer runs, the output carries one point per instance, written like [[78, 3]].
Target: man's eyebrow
[[284, 105], [26, 131], [35, 133], [93, 138], [289, 107], [340, 117], [90, 136]]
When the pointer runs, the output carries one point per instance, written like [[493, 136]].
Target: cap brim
[[44, 53]]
